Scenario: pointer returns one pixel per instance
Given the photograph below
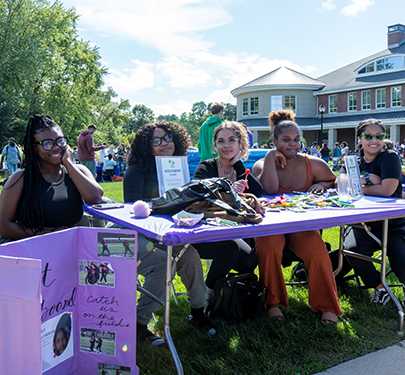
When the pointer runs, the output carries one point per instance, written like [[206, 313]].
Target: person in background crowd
[[48, 193], [344, 149], [283, 171], [103, 154], [141, 183], [86, 149], [75, 155], [314, 149], [336, 153], [381, 176], [325, 152], [111, 151], [122, 159], [206, 138], [11, 155]]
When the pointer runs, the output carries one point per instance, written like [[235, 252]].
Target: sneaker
[[144, 335], [203, 323], [380, 297]]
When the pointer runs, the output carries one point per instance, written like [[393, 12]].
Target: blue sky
[[168, 54]]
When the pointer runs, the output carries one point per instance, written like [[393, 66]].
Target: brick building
[[370, 87]]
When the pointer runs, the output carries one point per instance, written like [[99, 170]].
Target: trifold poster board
[[86, 323]]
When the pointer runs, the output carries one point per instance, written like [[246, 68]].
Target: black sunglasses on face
[[48, 144], [158, 140]]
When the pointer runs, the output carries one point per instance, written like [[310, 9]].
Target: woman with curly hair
[[141, 183], [160, 139], [48, 193], [283, 171], [231, 143]]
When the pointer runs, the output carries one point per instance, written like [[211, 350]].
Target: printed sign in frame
[[353, 173], [172, 172]]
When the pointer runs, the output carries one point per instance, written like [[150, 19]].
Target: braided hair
[[30, 206]]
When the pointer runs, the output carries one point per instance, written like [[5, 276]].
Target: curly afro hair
[[141, 147]]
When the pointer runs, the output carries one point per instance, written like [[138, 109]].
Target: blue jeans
[[121, 167], [11, 168]]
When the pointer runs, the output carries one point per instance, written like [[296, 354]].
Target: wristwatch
[[367, 178]]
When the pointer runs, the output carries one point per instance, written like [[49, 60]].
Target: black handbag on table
[[177, 199]]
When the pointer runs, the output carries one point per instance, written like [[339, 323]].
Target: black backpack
[[237, 298]]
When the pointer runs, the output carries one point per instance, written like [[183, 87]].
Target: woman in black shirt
[[381, 176]]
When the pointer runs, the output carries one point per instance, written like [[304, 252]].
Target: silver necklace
[[295, 163], [53, 182], [229, 174]]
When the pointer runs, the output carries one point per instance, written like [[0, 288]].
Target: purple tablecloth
[[165, 230]]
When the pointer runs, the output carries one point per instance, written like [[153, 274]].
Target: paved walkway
[[385, 361]]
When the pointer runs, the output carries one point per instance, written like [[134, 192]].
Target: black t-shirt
[[386, 165], [140, 184]]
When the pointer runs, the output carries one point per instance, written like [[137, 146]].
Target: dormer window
[[382, 64]]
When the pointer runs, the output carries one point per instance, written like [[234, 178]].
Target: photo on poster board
[[172, 172], [116, 245], [97, 342], [95, 272], [56, 340], [110, 369]]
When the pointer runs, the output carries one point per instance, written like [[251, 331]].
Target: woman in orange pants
[[284, 170]]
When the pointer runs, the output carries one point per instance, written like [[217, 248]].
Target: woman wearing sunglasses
[[141, 183], [48, 193], [381, 176]]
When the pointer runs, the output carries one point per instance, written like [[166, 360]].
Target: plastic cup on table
[[343, 187]]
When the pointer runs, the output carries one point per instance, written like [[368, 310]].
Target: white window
[[396, 96], [276, 102], [290, 102], [245, 107], [332, 103], [254, 106], [380, 98], [365, 100], [352, 101]]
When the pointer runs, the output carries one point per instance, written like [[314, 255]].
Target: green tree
[[172, 118], [44, 66], [141, 115], [229, 112]]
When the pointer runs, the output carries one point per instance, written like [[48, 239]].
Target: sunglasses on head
[[377, 137]]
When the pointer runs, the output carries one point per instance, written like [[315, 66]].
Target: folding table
[[163, 229]]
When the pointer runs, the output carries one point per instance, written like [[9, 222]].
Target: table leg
[[400, 331], [169, 279]]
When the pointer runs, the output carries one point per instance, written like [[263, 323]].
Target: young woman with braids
[[285, 170], [381, 176], [48, 193]]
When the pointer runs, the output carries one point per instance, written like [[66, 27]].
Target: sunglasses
[[48, 144], [156, 142], [377, 137]]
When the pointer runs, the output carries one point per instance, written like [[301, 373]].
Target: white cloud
[[176, 107], [170, 25], [131, 80], [327, 6], [356, 7], [183, 74]]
